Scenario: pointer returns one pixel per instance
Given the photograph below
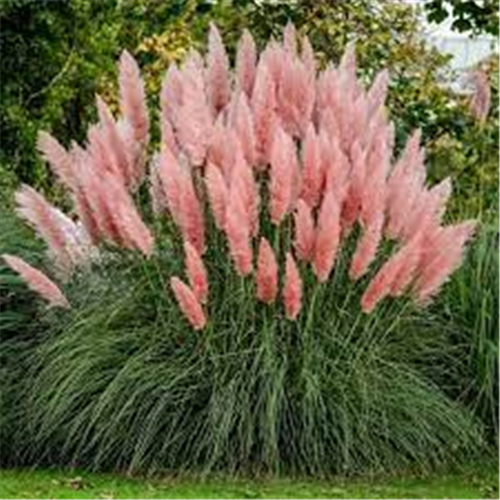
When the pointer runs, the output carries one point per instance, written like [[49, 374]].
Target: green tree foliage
[[471, 16]]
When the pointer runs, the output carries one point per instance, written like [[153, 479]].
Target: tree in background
[[469, 16]]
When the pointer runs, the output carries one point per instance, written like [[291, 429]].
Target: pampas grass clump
[[260, 315]]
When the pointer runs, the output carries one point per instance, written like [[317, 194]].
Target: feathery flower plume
[[304, 235], [394, 276], [191, 220], [133, 98], [217, 194], [243, 125], [327, 237], [246, 62], [292, 288], [169, 173], [158, 200], [196, 272], [171, 96], [366, 250], [311, 168], [442, 255], [280, 189], [57, 157], [267, 273], [40, 214], [218, 83], [113, 144], [194, 123], [238, 233], [263, 107], [307, 57], [188, 303], [37, 281]]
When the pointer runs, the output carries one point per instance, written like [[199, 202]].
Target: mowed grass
[[481, 481]]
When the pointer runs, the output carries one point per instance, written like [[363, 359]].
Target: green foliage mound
[[122, 382]]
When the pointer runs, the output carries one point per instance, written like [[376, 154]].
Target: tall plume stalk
[[274, 166]]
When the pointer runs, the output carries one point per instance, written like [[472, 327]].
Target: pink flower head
[[113, 145], [394, 276], [327, 237], [133, 98], [57, 157], [217, 194], [42, 216], [281, 185], [238, 233], [246, 61], [366, 250], [307, 57], [304, 231], [194, 118], [263, 107], [311, 168], [171, 96], [290, 38], [218, 83], [191, 219], [196, 272], [292, 288], [242, 175], [267, 273], [169, 173], [188, 303], [37, 281], [442, 255], [243, 125], [378, 92]]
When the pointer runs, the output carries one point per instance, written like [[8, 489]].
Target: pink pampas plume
[[242, 175], [168, 173], [191, 219], [168, 138], [290, 38], [311, 168], [304, 235], [307, 57], [246, 62], [217, 194], [366, 249], [194, 123], [133, 98], [394, 276], [188, 303], [57, 157], [171, 95], [243, 125], [263, 107], [158, 200], [196, 272], [327, 237], [37, 281], [481, 98], [133, 233], [267, 273], [238, 233], [280, 189], [40, 214], [443, 254], [378, 92], [292, 288], [295, 96], [113, 144], [218, 77]]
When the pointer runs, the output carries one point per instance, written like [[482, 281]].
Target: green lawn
[[480, 482]]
